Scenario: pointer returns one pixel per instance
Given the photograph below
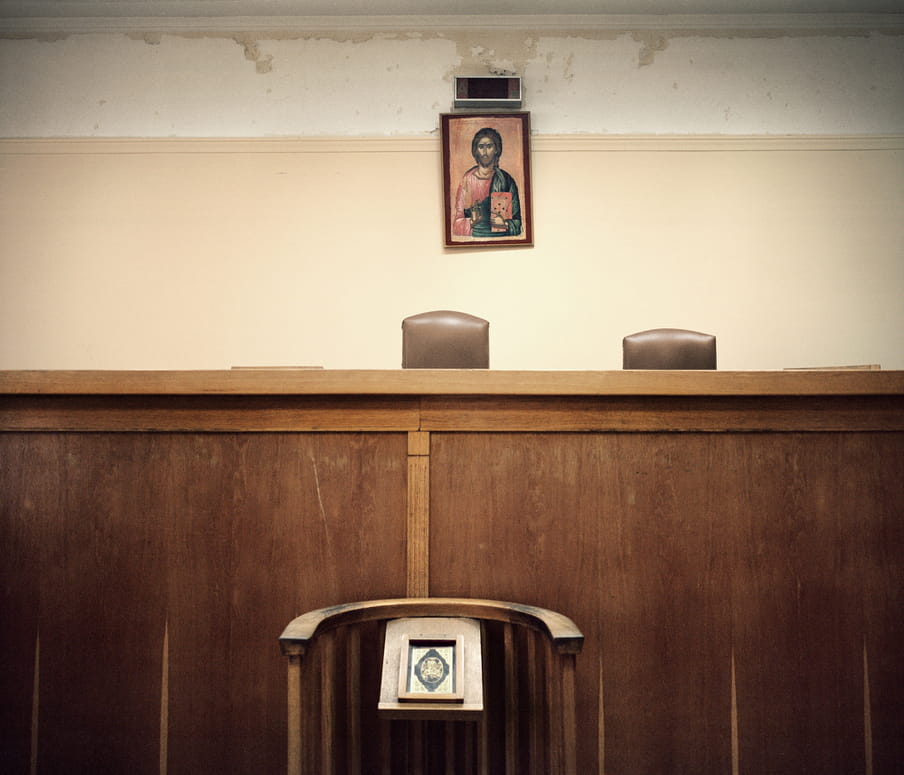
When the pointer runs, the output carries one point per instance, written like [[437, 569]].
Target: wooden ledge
[[428, 382]]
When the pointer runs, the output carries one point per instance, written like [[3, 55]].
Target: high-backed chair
[[444, 339], [527, 725], [669, 348]]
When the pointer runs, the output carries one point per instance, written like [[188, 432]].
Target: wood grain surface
[[729, 544], [218, 538], [677, 552]]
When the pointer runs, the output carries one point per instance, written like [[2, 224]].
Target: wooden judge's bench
[[730, 544]]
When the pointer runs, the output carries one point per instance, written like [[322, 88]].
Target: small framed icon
[[431, 670]]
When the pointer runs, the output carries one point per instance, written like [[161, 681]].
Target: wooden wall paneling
[[748, 583], [618, 532], [875, 498], [507, 523], [27, 503], [797, 600], [272, 525], [740, 592], [102, 604], [217, 539], [223, 554], [665, 624]]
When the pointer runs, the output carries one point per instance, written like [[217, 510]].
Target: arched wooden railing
[[528, 725]]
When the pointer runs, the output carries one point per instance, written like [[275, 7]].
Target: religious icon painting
[[431, 670], [486, 179]]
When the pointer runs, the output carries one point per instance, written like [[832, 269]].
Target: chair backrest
[[444, 339], [669, 348], [528, 725]]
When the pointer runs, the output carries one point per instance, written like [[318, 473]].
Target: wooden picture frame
[[431, 669], [466, 702], [486, 179]]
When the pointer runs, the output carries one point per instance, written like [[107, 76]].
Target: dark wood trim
[[451, 401], [208, 413], [663, 413]]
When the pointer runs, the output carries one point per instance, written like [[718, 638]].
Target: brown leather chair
[[443, 339], [669, 348]]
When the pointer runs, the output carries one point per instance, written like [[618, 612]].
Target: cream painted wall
[[209, 254], [667, 190]]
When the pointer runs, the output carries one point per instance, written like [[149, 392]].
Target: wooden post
[[353, 700], [535, 703], [555, 733], [569, 719], [511, 699], [294, 715], [327, 702], [418, 573]]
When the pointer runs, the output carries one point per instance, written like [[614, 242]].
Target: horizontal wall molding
[[540, 143], [54, 22], [666, 143]]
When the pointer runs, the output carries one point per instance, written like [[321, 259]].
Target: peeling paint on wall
[[650, 43], [492, 53], [263, 63], [367, 82], [151, 38]]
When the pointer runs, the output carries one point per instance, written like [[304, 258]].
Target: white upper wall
[[391, 76]]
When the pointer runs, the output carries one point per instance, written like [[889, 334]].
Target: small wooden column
[[294, 714], [418, 572]]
